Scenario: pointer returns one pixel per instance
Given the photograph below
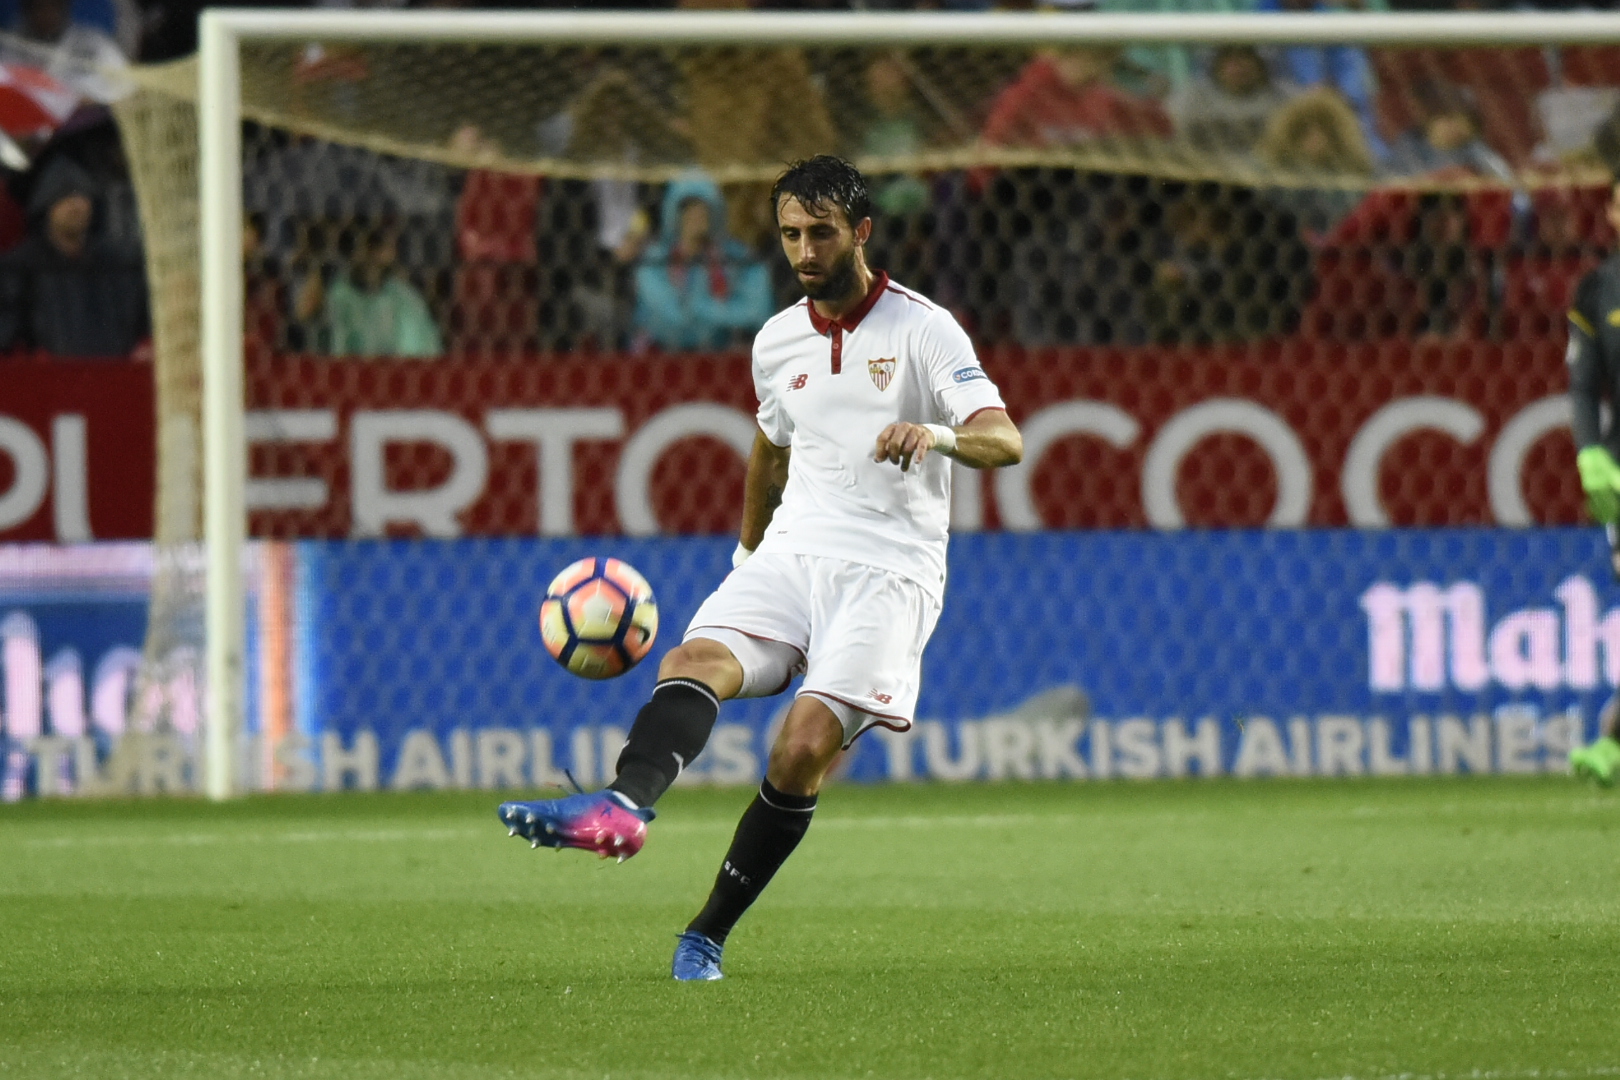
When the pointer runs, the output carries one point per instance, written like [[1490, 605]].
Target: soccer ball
[[599, 618]]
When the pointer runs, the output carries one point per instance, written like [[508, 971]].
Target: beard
[[838, 282]]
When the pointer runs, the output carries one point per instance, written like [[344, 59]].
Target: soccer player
[[867, 393], [1594, 375]]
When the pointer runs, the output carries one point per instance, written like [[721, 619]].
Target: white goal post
[[223, 32]]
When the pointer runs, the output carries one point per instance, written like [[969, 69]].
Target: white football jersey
[[826, 389]]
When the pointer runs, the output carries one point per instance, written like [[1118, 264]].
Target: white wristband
[[944, 437], [740, 555]]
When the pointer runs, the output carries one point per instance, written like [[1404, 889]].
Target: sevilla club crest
[[882, 372]]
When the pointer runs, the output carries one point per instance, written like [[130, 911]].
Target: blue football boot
[[697, 958]]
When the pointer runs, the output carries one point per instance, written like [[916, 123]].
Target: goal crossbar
[[994, 29]]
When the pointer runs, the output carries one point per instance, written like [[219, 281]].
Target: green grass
[[1200, 930]]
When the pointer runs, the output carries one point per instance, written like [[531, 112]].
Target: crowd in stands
[[72, 280], [1292, 228]]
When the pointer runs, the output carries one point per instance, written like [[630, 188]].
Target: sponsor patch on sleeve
[[968, 374]]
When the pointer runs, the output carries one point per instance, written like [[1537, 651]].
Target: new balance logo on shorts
[[797, 382], [881, 699]]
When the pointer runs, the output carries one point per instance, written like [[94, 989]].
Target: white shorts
[[855, 632]]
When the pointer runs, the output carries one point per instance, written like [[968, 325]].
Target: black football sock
[[770, 829], [670, 730]]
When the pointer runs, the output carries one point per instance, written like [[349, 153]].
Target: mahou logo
[[1430, 637]]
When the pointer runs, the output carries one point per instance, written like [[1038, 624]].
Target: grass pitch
[[1280, 930]]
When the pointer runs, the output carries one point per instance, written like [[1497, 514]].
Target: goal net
[[496, 277]]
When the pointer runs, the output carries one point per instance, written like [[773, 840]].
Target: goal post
[[219, 131], [225, 32]]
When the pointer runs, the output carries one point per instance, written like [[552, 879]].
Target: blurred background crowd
[[1346, 193]]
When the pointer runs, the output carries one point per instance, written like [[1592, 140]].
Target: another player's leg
[[669, 731], [770, 829], [1600, 762]]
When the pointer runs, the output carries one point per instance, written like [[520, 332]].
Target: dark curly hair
[[821, 183]]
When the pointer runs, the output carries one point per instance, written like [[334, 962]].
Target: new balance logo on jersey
[[882, 372], [797, 382]]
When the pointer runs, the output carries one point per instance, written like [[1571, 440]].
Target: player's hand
[[903, 444], [1600, 479]]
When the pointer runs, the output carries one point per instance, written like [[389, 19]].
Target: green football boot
[[1598, 762]]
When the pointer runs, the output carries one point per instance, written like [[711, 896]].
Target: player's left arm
[[986, 438], [989, 440]]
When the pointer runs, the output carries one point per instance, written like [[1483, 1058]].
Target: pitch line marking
[[318, 836], [822, 823], [1493, 1074], [305, 837]]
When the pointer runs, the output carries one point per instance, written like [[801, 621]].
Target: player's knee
[[802, 754], [709, 662], [797, 765]]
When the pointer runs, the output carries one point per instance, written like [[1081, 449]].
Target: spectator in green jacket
[[371, 310]]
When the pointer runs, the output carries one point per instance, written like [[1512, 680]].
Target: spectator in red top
[[1568, 236], [1065, 97], [497, 280]]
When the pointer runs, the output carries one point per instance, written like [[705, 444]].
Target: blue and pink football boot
[[599, 821]]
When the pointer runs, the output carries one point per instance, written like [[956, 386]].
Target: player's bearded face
[[823, 249], [833, 282]]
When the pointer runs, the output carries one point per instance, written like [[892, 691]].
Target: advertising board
[[1298, 433], [77, 450], [1064, 655], [1302, 434]]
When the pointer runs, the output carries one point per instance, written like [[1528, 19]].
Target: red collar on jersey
[[853, 317]]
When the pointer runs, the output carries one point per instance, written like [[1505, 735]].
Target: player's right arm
[[767, 465], [762, 491], [1600, 474]]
